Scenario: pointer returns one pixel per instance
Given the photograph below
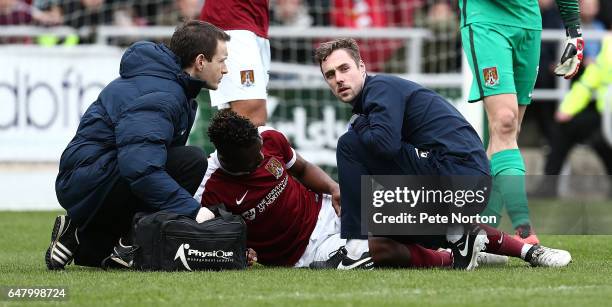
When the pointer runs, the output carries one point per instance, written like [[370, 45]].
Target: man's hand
[[335, 194], [572, 55], [561, 117], [204, 215], [251, 256]]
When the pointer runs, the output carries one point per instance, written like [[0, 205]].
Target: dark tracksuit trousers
[[97, 237], [355, 160], [584, 127]]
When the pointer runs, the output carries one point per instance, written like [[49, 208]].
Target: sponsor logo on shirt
[[266, 201], [249, 214]]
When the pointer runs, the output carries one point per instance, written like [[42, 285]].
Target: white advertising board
[[44, 92]]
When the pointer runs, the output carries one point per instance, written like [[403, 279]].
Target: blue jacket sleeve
[[381, 127], [143, 132]]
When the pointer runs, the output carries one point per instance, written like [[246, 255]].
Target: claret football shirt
[[280, 212]]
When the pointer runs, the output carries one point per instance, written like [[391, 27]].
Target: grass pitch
[[587, 281]]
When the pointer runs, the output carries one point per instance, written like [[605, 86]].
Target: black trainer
[[364, 263], [465, 251], [64, 243], [332, 263], [122, 257]]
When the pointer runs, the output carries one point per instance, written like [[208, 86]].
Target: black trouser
[[186, 164], [584, 127]]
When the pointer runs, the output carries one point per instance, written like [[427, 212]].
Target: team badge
[[247, 78], [275, 168], [490, 76]]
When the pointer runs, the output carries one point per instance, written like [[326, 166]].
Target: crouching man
[[291, 208], [128, 154]]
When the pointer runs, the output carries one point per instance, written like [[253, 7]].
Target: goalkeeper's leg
[[507, 164]]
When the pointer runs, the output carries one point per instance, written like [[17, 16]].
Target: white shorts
[[248, 64], [325, 238]]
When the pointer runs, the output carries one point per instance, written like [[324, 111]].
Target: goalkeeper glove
[[572, 54]]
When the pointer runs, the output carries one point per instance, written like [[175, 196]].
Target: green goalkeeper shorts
[[503, 59]]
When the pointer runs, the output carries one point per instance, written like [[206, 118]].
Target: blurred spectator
[[363, 14], [290, 13], [294, 14], [13, 13], [579, 119], [589, 9], [442, 49], [79, 13], [47, 12], [319, 11], [605, 13], [179, 11]]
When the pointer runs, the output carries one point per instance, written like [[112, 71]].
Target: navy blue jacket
[[125, 134], [396, 111]]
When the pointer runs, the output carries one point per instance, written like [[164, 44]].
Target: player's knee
[[505, 122]]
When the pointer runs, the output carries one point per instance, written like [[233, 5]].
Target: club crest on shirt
[[491, 77], [247, 78], [274, 167]]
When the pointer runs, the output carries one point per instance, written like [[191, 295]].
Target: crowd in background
[[441, 50], [438, 16]]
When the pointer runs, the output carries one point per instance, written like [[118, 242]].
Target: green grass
[[587, 281]]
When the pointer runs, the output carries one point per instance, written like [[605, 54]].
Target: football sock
[[421, 257], [495, 205], [508, 168], [502, 243], [524, 250], [356, 247]]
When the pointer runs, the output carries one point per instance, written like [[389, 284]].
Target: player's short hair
[[196, 37], [326, 48], [230, 131]]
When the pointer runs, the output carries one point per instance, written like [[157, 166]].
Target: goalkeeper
[[501, 39]]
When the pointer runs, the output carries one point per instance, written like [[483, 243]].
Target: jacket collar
[[358, 102], [191, 85]]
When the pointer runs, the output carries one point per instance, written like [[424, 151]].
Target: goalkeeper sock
[[508, 169], [495, 205]]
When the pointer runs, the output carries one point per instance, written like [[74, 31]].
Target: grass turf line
[[588, 280]]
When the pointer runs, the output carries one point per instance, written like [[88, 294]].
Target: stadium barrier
[[44, 91]]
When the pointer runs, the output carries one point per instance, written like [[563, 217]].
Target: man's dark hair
[[326, 48], [196, 37], [230, 131]]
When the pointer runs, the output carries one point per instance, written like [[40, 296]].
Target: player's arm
[[572, 54], [380, 129], [143, 132], [315, 179]]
